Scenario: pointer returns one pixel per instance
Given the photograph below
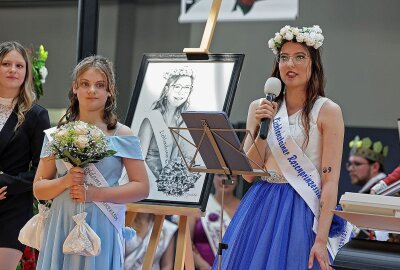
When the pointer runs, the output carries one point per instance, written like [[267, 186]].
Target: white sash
[[300, 172], [212, 228], [114, 212], [162, 135]]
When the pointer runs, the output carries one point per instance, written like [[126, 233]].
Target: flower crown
[[311, 36], [365, 148], [182, 71]]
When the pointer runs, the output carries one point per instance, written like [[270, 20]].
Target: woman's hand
[[3, 193], [74, 177], [82, 193], [266, 109], [320, 253]]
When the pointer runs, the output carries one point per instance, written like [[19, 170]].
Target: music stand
[[221, 150]]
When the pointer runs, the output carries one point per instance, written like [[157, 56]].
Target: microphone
[[272, 88]]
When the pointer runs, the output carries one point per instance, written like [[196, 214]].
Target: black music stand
[[221, 150]]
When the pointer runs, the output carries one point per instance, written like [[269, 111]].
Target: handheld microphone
[[272, 88]]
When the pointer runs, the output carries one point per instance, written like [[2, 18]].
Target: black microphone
[[272, 88]]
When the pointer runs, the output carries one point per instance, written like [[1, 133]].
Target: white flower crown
[[311, 36], [182, 71]]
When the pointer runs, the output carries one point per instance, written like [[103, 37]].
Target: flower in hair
[[182, 71], [311, 36]]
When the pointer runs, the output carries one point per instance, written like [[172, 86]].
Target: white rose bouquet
[[80, 143]]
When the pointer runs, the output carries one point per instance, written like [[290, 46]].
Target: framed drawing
[[168, 84]]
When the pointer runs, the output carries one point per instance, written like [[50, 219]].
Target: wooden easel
[[208, 31], [184, 253]]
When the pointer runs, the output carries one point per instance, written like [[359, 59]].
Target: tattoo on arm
[[326, 169]]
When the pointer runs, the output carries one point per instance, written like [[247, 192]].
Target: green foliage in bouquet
[[39, 70], [80, 143]]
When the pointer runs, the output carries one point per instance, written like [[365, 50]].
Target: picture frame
[[166, 85]]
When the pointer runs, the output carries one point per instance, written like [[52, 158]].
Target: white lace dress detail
[[6, 108]]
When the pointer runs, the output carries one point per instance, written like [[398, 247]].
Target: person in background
[[135, 249], [365, 165], [92, 100], [21, 135], [366, 169], [205, 230], [393, 177]]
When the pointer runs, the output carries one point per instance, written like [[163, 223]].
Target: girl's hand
[[3, 193], [74, 177], [266, 109], [320, 253], [81, 193]]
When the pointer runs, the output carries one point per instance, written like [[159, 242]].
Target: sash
[[211, 225], [162, 135], [114, 212], [300, 172]]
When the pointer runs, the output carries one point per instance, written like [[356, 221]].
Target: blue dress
[[271, 230], [60, 222]]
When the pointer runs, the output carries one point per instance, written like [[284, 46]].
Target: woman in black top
[[21, 136]]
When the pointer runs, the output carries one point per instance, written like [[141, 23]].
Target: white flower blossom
[[82, 141], [278, 38], [288, 36], [271, 43], [61, 133], [43, 73]]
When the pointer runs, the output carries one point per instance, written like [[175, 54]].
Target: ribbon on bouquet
[[299, 171]]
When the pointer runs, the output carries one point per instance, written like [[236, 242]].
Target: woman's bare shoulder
[[124, 130], [330, 111]]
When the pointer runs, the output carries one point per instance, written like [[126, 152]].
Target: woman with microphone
[[284, 221]]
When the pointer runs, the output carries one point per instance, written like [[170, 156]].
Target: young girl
[[92, 100], [283, 222], [21, 135]]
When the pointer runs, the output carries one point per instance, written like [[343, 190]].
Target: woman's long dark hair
[[315, 87], [103, 65]]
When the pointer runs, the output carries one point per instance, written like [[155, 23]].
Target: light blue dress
[[60, 222]]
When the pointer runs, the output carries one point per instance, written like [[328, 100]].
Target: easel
[[208, 31], [184, 254]]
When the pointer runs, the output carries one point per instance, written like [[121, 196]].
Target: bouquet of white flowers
[[80, 143]]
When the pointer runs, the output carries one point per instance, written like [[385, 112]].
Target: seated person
[[390, 179], [365, 164], [135, 249], [205, 230], [366, 169]]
